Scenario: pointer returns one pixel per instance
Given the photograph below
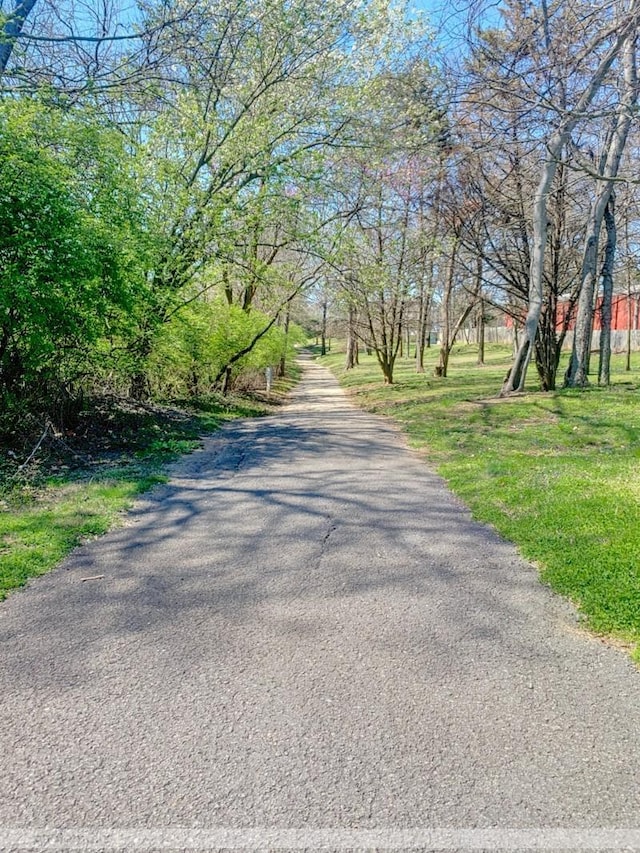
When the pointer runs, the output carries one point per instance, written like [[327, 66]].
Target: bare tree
[[615, 36], [578, 371], [13, 24], [604, 367]]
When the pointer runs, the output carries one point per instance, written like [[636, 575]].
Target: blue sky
[[450, 17]]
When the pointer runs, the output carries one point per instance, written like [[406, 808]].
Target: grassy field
[[78, 485], [556, 473]]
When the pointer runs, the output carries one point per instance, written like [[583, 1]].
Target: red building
[[625, 313]]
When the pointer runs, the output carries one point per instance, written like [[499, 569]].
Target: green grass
[[36, 536], [79, 488], [558, 474]]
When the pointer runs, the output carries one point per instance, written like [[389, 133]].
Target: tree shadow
[[308, 512]]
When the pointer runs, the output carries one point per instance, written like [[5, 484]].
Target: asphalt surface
[[303, 641]]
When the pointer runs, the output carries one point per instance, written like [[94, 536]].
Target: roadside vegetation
[[555, 473], [79, 482]]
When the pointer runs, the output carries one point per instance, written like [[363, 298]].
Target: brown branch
[[12, 30]]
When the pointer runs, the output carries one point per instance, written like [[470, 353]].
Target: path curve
[[304, 632]]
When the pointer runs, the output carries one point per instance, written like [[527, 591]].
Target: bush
[[200, 340]]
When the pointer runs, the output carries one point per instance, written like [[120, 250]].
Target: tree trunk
[[11, 29], [228, 287], [428, 267], [423, 333], [323, 330], [481, 332], [449, 335], [352, 340], [445, 343], [577, 374], [627, 366], [547, 346], [282, 366], [419, 353], [385, 340], [557, 141], [226, 382], [480, 313], [139, 387], [604, 367], [517, 375], [442, 366]]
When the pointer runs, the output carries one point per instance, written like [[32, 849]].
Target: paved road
[[303, 641]]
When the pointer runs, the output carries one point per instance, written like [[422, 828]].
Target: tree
[[492, 183], [604, 367], [382, 256], [12, 23], [578, 371], [83, 51], [64, 267], [254, 97], [612, 38]]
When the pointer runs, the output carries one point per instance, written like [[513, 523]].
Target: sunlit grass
[[38, 534], [555, 473]]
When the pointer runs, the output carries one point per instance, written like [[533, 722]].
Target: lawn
[[556, 473]]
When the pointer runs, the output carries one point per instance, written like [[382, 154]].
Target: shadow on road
[[304, 508]]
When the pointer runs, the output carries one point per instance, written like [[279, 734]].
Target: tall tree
[[578, 370], [612, 38]]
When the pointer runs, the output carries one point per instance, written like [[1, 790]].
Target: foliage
[[555, 473], [49, 269], [201, 338], [70, 247], [208, 178]]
